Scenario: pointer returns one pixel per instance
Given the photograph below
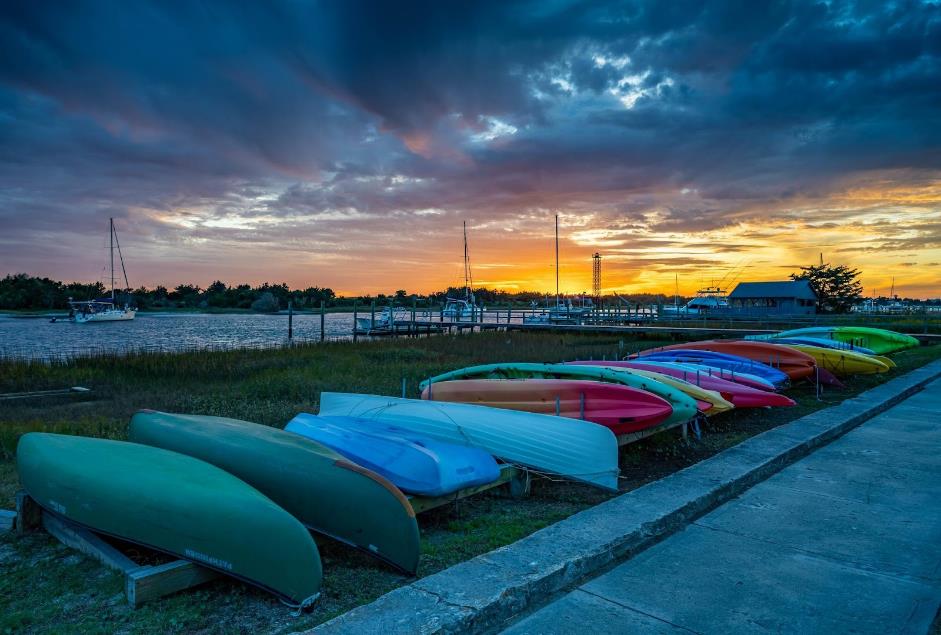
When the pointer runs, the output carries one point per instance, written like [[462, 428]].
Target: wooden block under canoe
[[142, 583], [517, 478]]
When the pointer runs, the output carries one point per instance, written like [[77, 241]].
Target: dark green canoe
[[172, 503], [319, 487]]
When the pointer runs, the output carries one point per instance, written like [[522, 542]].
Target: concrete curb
[[484, 592]]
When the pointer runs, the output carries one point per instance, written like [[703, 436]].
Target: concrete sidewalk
[[845, 540]]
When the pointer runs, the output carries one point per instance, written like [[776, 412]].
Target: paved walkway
[[847, 540]]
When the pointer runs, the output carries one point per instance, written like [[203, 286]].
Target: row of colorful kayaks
[[241, 498]]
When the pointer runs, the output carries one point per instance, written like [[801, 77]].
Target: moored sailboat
[[463, 310], [104, 309]]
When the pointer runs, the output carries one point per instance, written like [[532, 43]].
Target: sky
[[342, 144]]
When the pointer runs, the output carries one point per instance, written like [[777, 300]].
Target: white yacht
[[708, 300]]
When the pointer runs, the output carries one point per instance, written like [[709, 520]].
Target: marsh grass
[[45, 587]]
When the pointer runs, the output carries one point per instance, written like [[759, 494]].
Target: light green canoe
[[684, 406], [319, 487], [172, 503]]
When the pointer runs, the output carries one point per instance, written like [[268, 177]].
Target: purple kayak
[[733, 363]]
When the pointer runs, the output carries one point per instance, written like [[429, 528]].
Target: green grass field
[[46, 587]]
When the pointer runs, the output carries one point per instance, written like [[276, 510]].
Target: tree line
[[23, 292], [837, 289]]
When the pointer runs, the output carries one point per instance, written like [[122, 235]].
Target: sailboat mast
[[111, 239], [466, 267], [557, 259]]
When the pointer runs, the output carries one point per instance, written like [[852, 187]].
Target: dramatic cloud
[[343, 143]]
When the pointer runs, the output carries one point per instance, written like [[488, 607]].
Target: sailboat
[[463, 309], [104, 309], [564, 311]]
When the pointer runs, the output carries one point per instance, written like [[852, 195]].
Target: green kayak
[[684, 406], [879, 341], [319, 487], [175, 504]]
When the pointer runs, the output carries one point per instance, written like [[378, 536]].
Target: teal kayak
[[684, 406], [879, 341], [172, 503], [322, 489]]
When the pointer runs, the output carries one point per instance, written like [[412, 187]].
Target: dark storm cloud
[[328, 115]]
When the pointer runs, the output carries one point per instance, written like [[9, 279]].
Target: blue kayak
[[821, 342], [415, 464], [732, 363]]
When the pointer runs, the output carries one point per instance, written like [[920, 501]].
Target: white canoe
[[572, 448]]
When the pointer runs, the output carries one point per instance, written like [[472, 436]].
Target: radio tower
[[596, 276]]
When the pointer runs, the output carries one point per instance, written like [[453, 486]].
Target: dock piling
[[290, 320], [355, 321]]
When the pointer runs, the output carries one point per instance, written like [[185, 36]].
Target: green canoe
[[684, 406], [175, 504], [319, 487]]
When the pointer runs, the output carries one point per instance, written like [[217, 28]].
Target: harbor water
[[38, 338]]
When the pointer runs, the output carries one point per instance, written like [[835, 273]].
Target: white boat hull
[[576, 449], [117, 315]]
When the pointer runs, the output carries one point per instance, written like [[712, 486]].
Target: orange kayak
[[621, 408], [794, 363]]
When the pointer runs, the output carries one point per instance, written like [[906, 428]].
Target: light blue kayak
[[415, 464], [725, 361], [822, 342]]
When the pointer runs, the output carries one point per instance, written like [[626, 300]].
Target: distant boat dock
[[640, 320]]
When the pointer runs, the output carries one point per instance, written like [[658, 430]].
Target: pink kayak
[[741, 395], [620, 408]]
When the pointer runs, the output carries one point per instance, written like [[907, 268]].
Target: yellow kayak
[[709, 396], [885, 360], [843, 363]]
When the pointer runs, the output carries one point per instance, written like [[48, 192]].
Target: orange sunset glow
[[732, 145]]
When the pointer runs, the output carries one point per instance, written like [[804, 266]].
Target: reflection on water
[[38, 338]]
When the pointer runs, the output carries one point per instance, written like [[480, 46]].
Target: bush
[[266, 303]]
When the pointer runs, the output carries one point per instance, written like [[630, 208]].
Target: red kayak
[[740, 395], [795, 364], [621, 408]]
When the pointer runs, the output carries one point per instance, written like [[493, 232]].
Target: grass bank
[[47, 587]]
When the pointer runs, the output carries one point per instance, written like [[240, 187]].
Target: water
[[38, 338]]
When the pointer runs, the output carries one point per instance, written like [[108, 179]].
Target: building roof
[[799, 289]]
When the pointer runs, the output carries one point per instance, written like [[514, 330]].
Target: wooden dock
[[716, 329]]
